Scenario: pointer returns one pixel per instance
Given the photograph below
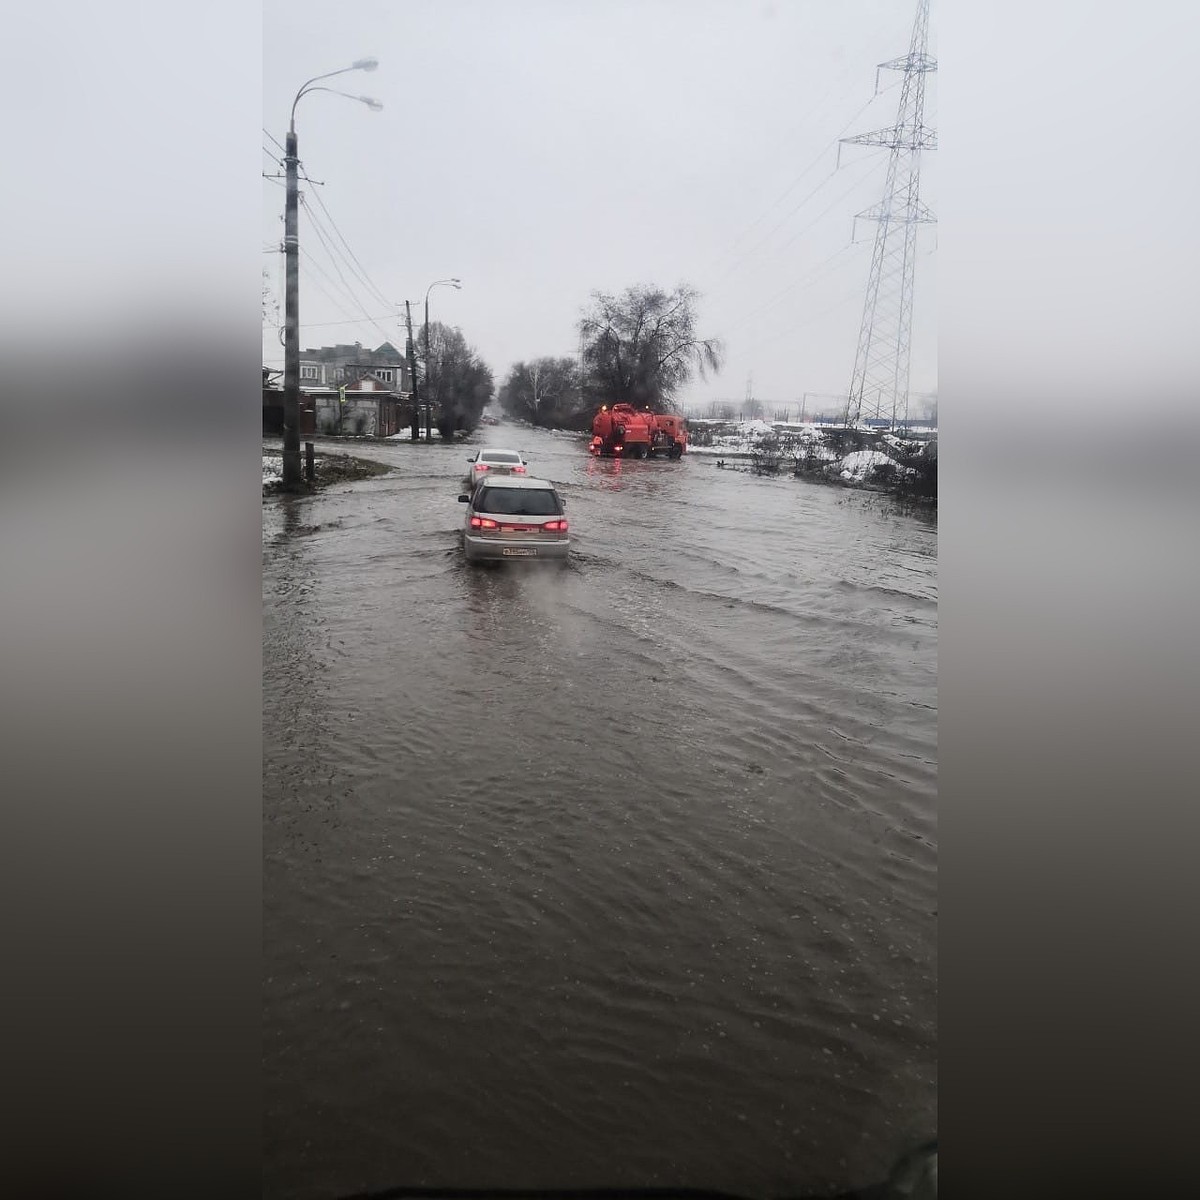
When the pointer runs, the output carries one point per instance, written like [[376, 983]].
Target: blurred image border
[[131, 514]]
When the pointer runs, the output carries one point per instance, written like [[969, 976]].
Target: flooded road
[[611, 876]]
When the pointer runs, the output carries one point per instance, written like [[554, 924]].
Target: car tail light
[[556, 526], [518, 470], [481, 466], [484, 523]]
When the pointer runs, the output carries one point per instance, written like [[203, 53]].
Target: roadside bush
[[884, 475], [919, 483], [847, 441], [808, 455], [767, 457]]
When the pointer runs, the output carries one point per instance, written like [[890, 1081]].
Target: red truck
[[624, 431]]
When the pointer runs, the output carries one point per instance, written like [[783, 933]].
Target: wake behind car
[[492, 462], [514, 517]]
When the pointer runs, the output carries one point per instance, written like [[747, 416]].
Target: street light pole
[[291, 318], [454, 283], [291, 250]]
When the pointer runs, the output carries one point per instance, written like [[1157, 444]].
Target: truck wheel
[[676, 451], [643, 451]]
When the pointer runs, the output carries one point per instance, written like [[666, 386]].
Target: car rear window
[[518, 502], [500, 456]]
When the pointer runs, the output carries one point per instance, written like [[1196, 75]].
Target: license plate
[[520, 552]]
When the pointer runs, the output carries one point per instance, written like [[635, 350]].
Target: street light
[[291, 245], [456, 284], [373, 104]]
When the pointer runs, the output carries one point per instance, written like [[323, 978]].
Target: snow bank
[[272, 468], [405, 435], [858, 465], [745, 437], [724, 446], [907, 445], [805, 441]]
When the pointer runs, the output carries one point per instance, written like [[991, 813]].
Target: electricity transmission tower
[[879, 385]]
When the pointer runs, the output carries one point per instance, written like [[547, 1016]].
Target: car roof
[[516, 481]]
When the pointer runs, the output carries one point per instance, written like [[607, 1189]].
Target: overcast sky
[[542, 149]]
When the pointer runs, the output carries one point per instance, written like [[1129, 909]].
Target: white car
[[491, 462]]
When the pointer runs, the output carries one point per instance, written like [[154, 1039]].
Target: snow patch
[[405, 435], [858, 466]]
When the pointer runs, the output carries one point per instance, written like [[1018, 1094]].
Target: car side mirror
[[464, 499], [470, 458]]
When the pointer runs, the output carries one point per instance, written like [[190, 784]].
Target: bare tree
[[642, 346], [544, 391], [456, 378], [270, 304]]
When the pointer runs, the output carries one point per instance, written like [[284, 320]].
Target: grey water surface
[[616, 875]]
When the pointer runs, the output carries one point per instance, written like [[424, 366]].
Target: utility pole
[[291, 318], [428, 360], [291, 250], [412, 371], [879, 384]]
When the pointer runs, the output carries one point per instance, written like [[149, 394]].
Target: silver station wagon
[[515, 518]]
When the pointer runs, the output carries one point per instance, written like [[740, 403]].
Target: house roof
[[385, 355]]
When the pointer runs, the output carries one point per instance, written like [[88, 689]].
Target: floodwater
[[617, 875]]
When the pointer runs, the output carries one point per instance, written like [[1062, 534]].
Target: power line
[[364, 321], [743, 258], [804, 229], [356, 268], [274, 139], [799, 178], [807, 280], [316, 227], [333, 250], [354, 321], [789, 189], [802, 324], [338, 303], [365, 277], [837, 304]]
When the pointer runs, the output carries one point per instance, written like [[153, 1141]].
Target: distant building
[[347, 366], [345, 390]]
